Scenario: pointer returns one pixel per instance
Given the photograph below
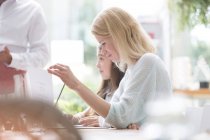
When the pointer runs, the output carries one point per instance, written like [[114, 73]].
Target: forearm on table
[[95, 102]]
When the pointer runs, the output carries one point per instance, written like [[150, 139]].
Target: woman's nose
[[104, 52], [97, 65]]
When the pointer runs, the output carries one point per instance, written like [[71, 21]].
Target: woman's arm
[[66, 75]]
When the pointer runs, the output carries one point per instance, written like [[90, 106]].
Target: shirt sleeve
[[138, 88], [38, 50], [102, 122]]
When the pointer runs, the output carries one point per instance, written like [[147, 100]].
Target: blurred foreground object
[[166, 119], [34, 120]]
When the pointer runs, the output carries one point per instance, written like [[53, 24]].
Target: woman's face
[[104, 66], [107, 48]]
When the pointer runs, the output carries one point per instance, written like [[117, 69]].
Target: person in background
[[146, 79], [111, 77], [23, 42]]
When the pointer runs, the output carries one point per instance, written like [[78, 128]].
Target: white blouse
[[144, 81], [23, 30]]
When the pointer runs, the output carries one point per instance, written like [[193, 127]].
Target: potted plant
[[190, 13]]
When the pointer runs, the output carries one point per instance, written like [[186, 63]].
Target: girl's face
[[107, 48], [104, 66]]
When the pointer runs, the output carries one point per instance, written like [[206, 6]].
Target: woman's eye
[[103, 43], [101, 58]]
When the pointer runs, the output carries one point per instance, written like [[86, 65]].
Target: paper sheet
[[40, 84]]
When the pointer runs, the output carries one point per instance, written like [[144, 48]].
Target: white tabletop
[[109, 134]]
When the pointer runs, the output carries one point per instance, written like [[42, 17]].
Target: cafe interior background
[[179, 30]]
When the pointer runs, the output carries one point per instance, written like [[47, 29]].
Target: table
[[124, 134], [110, 134], [198, 97], [194, 93]]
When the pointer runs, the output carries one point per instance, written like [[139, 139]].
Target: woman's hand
[[133, 126], [74, 119], [71, 118], [90, 121], [65, 74]]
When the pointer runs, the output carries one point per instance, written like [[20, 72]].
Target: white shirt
[[23, 30], [144, 81]]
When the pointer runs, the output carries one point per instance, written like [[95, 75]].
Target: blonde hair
[[130, 39]]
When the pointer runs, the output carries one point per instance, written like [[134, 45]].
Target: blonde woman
[[124, 42]]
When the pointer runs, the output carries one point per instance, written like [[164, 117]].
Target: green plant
[[189, 13], [71, 103], [87, 12]]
